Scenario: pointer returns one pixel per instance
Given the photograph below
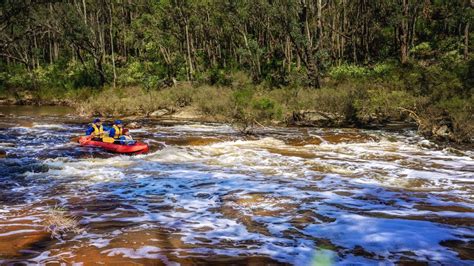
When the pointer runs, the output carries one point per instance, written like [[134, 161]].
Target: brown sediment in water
[[332, 169], [19, 245], [25, 123], [93, 256], [452, 208], [348, 138], [244, 208], [303, 141], [190, 140], [304, 218], [247, 220], [382, 157], [456, 221], [292, 153], [168, 244], [465, 249], [19, 234]]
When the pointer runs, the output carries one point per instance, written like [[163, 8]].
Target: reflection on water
[[211, 196]]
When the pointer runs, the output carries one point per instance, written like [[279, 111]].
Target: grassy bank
[[342, 105], [440, 100]]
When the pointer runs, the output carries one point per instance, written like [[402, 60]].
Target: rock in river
[[159, 113]]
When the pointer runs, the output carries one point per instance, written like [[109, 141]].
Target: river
[[208, 195]]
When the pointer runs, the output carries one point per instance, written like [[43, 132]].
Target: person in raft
[[117, 129], [126, 138], [96, 130]]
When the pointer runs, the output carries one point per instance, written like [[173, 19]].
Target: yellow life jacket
[[98, 131], [118, 132]]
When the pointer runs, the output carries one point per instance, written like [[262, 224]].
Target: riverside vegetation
[[312, 62]]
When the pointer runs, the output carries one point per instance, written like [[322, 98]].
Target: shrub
[[132, 74], [266, 109], [79, 76], [251, 106], [218, 76], [213, 101], [461, 112], [17, 77], [338, 101], [422, 50], [240, 79], [384, 104], [345, 72]]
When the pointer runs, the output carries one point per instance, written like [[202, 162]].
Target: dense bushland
[[248, 62], [350, 95]]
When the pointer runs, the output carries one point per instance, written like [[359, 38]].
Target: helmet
[[118, 122], [97, 120]]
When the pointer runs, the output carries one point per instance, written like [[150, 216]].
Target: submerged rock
[[442, 132], [159, 113], [134, 125]]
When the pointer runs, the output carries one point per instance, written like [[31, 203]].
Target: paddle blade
[[83, 139], [108, 140]]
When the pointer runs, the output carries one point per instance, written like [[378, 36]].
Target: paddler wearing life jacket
[[126, 138], [117, 129], [96, 130]]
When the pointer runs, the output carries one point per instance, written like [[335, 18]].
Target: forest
[[304, 62]]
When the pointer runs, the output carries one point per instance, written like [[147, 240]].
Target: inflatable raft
[[138, 147]]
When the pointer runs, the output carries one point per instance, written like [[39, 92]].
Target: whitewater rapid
[[209, 194]]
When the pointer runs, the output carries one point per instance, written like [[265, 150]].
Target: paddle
[[108, 140], [90, 137], [81, 139]]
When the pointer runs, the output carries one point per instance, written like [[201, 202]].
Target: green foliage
[[383, 104], [467, 76], [132, 74], [422, 50], [218, 77], [266, 109], [16, 77], [251, 106], [384, 68], [247, 61], [345, 71], [243, 97], [214, 102]]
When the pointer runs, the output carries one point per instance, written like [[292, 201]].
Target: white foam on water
[[48, 126], [148, 252], [196, 128], [18, 232]]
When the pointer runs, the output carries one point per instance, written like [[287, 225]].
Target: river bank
[[22, 113], [250, 107]]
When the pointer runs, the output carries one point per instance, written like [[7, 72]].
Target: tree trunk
[[100, 70], [188, 47], [466, 41], [404, 33], [313, 74], [112, 43], [85, 11]]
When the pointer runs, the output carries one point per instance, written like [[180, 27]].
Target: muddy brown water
[[207, 195]]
